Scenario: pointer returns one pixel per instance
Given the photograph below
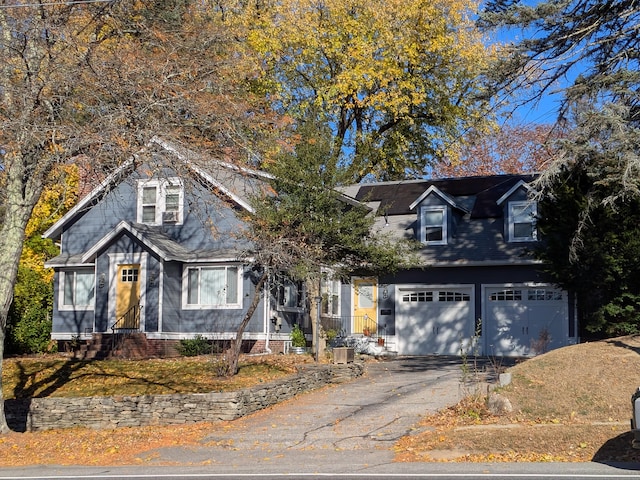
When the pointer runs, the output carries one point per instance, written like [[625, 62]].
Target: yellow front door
[[128, 296], [365, 305]]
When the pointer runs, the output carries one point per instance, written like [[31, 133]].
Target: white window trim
[[63, 279], [534, 212], [462, 288], [223, 306], [326, 288], [423, 226], [116, 259], [161, 185]]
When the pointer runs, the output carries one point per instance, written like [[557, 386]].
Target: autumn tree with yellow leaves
[[398, 81], [96, 80], [29, 322]]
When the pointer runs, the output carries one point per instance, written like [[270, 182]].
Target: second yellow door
[[365, 305]]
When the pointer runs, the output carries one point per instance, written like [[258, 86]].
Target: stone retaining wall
[[135, 411]]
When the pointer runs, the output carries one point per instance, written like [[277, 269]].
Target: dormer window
[[434, 226], [434, 208], [160, 202], [522, 221]]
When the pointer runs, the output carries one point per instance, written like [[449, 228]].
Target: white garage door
[[434, 320], [523, 321]]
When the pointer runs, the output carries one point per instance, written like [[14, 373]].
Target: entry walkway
[[346, 427]]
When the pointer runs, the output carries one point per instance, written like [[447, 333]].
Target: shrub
[[297, 337], [29, 320], [192, 347]]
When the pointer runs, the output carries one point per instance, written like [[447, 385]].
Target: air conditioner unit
[[169, 217]]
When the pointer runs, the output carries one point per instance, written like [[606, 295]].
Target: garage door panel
[[548, 326], [523, 321], [505, 339], [434, 321]]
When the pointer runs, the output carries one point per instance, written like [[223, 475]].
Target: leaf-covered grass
[[572, 405], [64, 377]]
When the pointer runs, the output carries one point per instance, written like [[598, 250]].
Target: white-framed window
[[418, 297], [446, 296], [544, 294], [160, 201], [77, 289], [289, 294], [212, 286], [433, 225], [330, 296], [508, 295], [522, 221]]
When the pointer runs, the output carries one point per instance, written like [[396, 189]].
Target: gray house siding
[[102, 294], [82, 233], [474, 276], [480, 280], [152, 297], [207, 322], [209, 223], [76, 322], [135, 264]]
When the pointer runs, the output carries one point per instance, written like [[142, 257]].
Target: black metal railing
[[129, 320], [352, 325], [127, 323]]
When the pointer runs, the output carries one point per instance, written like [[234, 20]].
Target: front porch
[[358, 330]]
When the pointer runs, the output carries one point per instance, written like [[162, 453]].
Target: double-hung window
[[522, 221], [160, 201], [434, 226], [213, 287], [77, 289], [330, 296]]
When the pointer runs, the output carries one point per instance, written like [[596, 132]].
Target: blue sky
[[546, 109]]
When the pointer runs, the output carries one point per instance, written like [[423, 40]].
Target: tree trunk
[[20, 196], [313, 290], [236, 344]]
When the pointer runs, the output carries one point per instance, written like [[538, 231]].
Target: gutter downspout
[[266, 316]]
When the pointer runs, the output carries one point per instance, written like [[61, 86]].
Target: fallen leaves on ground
[[79, 446], [57, 376], [569, 405]]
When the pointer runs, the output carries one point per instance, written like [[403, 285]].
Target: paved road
[[354, 424], [444, 471]]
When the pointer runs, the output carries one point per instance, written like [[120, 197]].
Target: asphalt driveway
[[347, 427]]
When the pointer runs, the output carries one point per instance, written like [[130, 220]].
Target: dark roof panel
[[396, 197]]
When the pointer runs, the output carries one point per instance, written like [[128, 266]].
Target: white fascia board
[[54, 264], [513, 189], [172, 148], [122, 226], [212, 181], [247, 260], [206, 176], [56, 229], [481, 263], [436, 191]]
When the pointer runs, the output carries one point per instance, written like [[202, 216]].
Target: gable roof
[[436, 191], [477, 235], [234, 182], [159, 243], [154, 240], [521, 184], [476, 195]]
